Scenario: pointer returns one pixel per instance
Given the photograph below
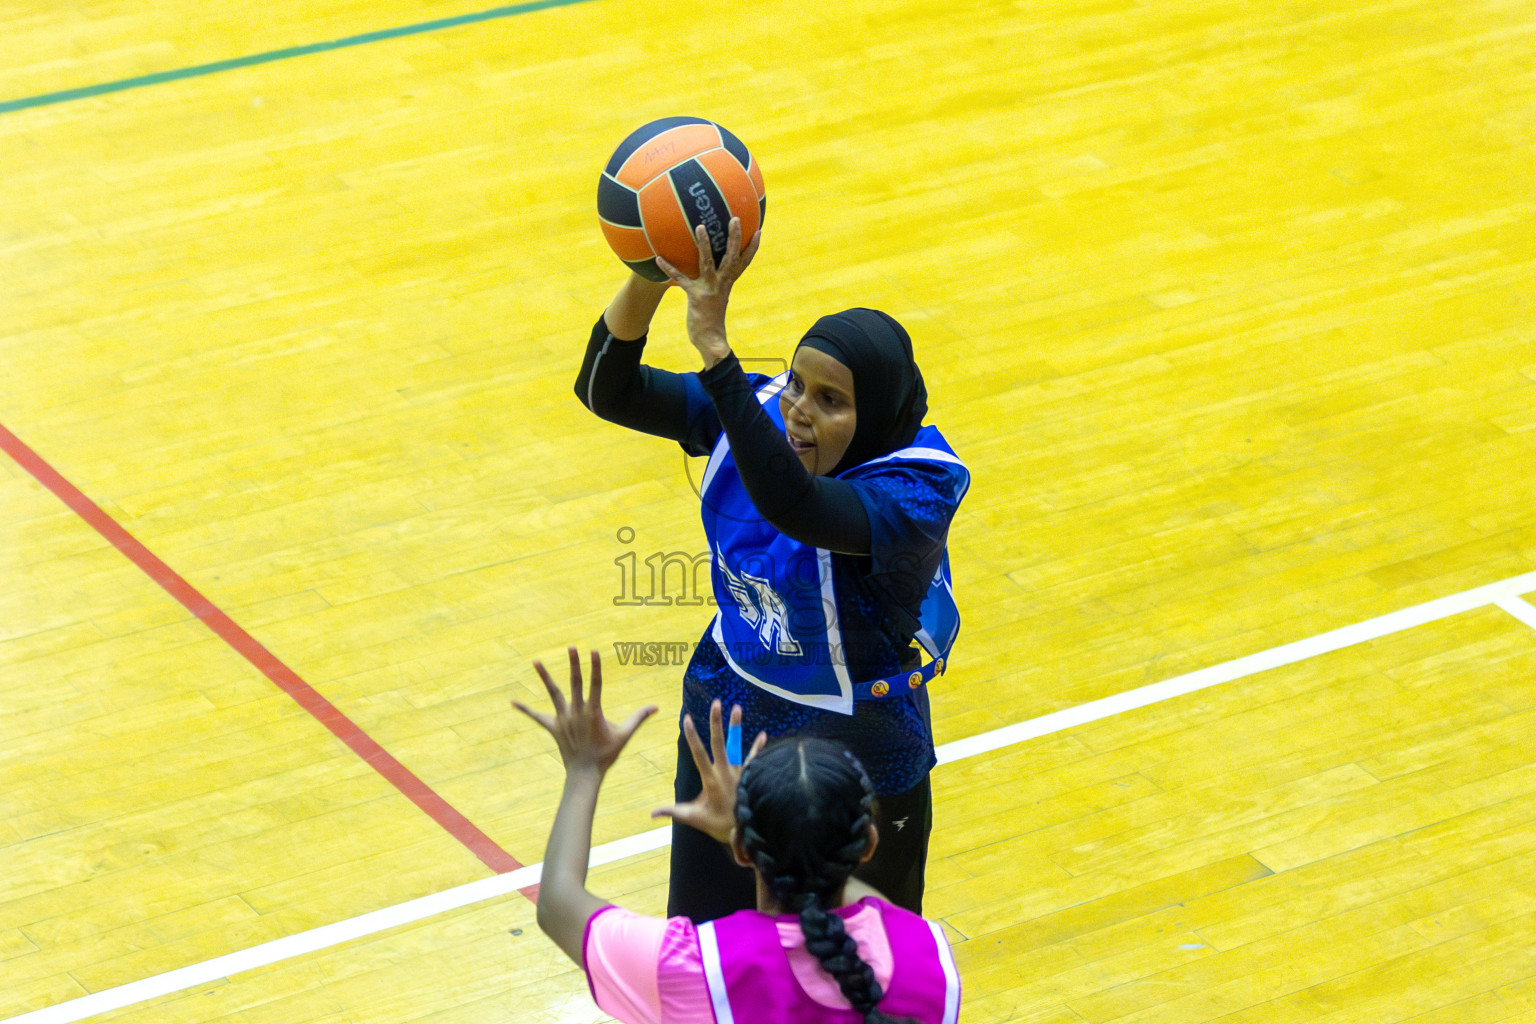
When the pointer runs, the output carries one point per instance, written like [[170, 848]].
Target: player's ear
[[739, 849], [874, 841]]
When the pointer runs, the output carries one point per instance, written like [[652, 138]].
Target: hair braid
[[803, 810]]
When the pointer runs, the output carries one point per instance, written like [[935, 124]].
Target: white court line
[[1504, 594], [1520, 608], [1286, 654]]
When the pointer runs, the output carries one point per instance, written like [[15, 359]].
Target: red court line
[[399, 776]]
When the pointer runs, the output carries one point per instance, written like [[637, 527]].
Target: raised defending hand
[[713, 811], [710, 292], [586, 739]]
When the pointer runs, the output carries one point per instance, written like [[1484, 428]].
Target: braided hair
[[803, 809]]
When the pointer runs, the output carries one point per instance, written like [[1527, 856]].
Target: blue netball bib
[[777, 623]]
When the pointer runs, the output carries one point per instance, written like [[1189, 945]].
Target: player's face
[[817, 405]]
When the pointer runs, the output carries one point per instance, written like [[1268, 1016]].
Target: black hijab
[[889, 398]]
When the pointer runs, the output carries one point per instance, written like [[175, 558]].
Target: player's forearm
[[629, 315], [570, 840], [564, 902], [819, 511], [706, 332]]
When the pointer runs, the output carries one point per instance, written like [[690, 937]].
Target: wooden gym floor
[[1229, 308]]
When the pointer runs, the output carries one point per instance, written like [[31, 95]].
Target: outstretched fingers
[[757, 747], [555, 696], [575, 659], [634, 722], [716, 732], [595, 692], [696, 746], [546, 721]]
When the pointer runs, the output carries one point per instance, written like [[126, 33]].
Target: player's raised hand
[[713, 811], [709, 293], [587, 740]]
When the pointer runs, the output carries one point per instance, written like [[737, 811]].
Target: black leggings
[[707, 883]]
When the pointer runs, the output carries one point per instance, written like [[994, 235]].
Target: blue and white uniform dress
[[824, 632]]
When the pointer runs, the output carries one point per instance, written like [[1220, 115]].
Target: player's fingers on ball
[[706, 253], [673, 274]]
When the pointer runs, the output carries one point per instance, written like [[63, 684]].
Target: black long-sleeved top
[[820, 511]]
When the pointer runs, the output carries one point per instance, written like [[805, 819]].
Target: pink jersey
[[646, 970]]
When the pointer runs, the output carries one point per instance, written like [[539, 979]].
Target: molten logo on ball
[[709, 216]]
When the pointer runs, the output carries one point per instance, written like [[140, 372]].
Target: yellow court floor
[[1228, 309]]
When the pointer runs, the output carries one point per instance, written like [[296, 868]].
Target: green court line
[[266, 58]]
